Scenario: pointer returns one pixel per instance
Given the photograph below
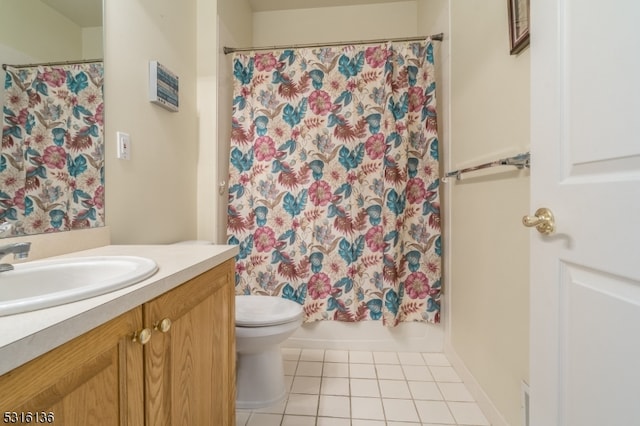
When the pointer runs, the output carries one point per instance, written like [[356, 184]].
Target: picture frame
[[518, 25]]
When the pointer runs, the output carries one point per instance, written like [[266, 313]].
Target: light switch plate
[[124, 146]]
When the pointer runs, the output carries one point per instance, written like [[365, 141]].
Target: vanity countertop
[[28, 335]]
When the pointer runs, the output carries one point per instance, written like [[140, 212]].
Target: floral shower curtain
[[52, 156], [333, 188]]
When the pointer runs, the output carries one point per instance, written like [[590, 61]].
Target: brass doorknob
[[143, 336], [162, 326], [543, 221]]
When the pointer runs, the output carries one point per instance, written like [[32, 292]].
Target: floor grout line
[[448, 413]]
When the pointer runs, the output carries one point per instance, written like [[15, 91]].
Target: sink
[[46, 283]]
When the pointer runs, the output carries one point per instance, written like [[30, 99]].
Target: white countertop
[[28, 335]]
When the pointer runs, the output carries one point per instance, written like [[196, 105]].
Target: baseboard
[[368, 336], [488, 409]]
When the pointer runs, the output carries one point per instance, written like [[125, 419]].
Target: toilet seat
[[264, 311]]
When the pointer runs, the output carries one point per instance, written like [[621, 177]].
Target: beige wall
[[489, 253], [35, 29], [236, 15], [330, 24], [207, 118], [152, 197], [234, 30], [92, 46]]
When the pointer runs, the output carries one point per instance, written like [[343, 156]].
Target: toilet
[[262, 324]]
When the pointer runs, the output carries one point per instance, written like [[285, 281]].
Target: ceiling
[[84, 13], [264, 5]]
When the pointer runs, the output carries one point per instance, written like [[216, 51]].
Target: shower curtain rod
[[227, 50], [49, 64]]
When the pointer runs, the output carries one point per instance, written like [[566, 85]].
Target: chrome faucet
[[19, 251], [5, 228]]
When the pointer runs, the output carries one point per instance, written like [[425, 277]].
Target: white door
[[585, 147]]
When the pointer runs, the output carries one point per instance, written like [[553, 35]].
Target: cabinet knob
[[143, 336], [163, 326]]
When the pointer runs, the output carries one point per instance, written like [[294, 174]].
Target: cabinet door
[[95, 379], [190, 368]]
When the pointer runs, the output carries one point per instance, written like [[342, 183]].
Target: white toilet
[[262, 323]]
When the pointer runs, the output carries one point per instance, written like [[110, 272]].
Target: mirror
[[52, 152]]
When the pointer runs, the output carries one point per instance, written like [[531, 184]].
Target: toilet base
[[260, 379]]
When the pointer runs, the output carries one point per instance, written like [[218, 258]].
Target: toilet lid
[[262, 311]]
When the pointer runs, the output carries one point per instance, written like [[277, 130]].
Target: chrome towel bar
[[519, 161]]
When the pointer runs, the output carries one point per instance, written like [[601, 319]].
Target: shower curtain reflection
[[333, 194], [52, 155]]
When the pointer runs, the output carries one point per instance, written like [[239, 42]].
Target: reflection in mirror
[[52, 152]]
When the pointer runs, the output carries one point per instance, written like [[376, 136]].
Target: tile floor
[[358, 388]]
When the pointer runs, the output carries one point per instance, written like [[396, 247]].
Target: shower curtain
[[333, 187], [52, 155]]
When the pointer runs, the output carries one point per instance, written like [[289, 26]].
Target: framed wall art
[[163, 86], [518, 25]]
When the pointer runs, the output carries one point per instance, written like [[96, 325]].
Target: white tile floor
[[358, 388]]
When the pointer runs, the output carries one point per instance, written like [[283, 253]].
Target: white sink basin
[[45, 283]]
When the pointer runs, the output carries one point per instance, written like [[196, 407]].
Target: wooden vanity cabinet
[[183, 375], [190, 367], [95, 379]]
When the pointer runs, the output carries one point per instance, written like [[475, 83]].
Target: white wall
[[152, 197], [488, 287]]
